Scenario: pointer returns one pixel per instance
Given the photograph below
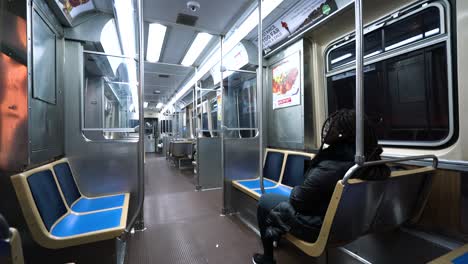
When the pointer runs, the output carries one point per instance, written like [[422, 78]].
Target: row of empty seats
[[59, 215], [282, 170], [357, 207], [180, 151]]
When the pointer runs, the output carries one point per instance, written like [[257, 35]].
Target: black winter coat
[[303, 214]]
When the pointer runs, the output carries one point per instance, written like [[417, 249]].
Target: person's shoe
[[261, 259]]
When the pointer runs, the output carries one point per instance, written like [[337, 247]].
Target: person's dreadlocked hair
[[343, 122]]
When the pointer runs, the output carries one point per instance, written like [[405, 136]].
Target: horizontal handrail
[[239, 128], [108, 54], [240, 71], [208, 90], [205, 130], [116, 130], [356, 167]]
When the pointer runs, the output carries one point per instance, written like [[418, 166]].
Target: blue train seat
[[273, 165], [294, 170], [272, 171], [255, 183], [282, 170], [456, 256], [356, 197], [280, 189], [51, 221], [75, 199]]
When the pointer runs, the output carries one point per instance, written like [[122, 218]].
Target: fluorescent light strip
[[404, 42], [197, 47], [341, 58], [110, 43], [432, 32], [126, 24], [377, 52], [145, 104], [239, 34], [159, 105], [156, 34]]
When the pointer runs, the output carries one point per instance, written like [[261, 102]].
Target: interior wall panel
[[101, 167]]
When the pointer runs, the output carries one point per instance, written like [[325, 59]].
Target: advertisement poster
[[219, 100], [303, 14], [72, 8], [286, 82]]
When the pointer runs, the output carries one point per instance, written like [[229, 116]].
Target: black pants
[[265, 205]]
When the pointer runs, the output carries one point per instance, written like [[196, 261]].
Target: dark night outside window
[[405, 96]]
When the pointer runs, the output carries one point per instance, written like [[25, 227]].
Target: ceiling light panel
[[197, 47], [156, 35], [126, 24]]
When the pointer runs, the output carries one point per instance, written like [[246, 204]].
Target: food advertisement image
[[286, 82], [72, 8], [219, 100]]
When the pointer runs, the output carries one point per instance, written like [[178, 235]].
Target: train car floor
[[185, 226]]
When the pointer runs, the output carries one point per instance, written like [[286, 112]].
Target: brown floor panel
[[185, 226]]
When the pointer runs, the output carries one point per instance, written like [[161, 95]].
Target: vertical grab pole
[[196, 106], [360, 155], [192, 128], [224, 210], [260, 95], [140, 225], [198, 186]]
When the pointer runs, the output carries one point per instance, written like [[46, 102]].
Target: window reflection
[[110, 99]]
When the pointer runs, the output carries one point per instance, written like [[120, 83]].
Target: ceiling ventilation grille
[[187, 20]]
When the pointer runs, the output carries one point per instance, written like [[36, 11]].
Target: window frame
[[444, 36], [125, 132]]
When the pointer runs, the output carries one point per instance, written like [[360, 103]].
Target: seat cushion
[[98, 203], [73, 224], [67, 183], [273, 165], [294, 170], [46, 197], [281, 190], [255, 183], [463, 259]]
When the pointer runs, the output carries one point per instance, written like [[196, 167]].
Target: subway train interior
[[155, 131]]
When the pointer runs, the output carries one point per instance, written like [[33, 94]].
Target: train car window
[[240, 111], [109, 97], [413, 28], [346, 54], [407, 94], [205, 121], [390, 36], [214, 112]]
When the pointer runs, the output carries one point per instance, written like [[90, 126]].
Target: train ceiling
[[214, 17]]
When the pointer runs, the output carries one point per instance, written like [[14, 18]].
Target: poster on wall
[[286, 82], [219, 100], [296, 19], [72, 8]]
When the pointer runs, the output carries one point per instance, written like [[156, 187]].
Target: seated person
[[302, 213]]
